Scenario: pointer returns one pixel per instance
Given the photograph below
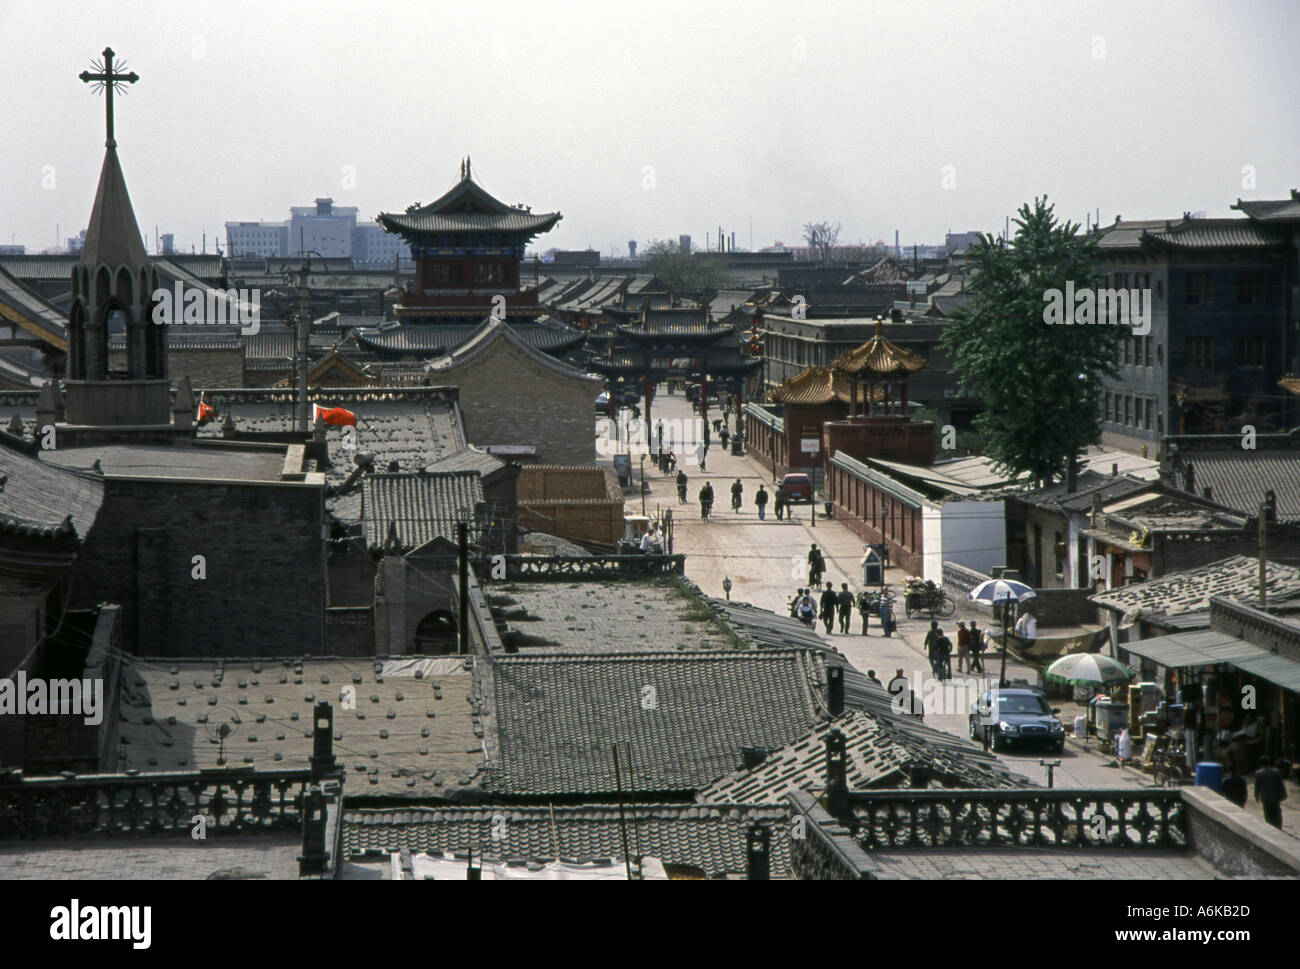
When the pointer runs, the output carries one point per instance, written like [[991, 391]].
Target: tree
[[822, 237], [1040, 383], [698, 276]]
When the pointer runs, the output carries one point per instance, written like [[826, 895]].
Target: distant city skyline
[[918, 117]]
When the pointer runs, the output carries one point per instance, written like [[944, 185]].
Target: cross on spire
[[107, 80]]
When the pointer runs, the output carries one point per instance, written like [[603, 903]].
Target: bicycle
[[705, 508]]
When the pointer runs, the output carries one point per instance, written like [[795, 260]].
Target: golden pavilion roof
[[817, 386], [878, 358], [1290, 383]]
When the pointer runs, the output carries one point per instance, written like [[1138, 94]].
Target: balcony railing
[[592, 567], [163, 803], [1027, 818]]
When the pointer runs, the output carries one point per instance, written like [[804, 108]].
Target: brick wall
[[205, 368], [350, 631], [582, 503], [264, 591], [1063, 607], [510, 398]]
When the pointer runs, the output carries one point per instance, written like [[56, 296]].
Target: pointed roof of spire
[[113, 237]]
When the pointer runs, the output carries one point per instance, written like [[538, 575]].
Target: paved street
[[767, 561]]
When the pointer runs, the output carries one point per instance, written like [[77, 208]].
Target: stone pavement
[[767, 561], [269, 856]]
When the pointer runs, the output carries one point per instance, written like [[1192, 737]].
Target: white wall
[[932, 543], [974, 534]]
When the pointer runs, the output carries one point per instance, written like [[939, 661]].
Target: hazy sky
[[645, 120]]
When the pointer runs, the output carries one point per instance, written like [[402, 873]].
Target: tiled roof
[[470, 459], [32, 312], [879, 358], [184, 459], [408, 736], [879, 755], [604, 616], [1271, 210], [710, 837], [422, 506], [1290, 384], [438, 340], [1189, 233], [681, 718], [492, 332], [198, 337], [41, 499], [467, 207], [819, 385], [1190, 590], [1239, 479], [1088, 485], [413, 427], [718, 359]]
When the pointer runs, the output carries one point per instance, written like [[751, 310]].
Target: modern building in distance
[[324, 228]]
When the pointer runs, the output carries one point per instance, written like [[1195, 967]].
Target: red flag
[[206, 411], [336, 415]]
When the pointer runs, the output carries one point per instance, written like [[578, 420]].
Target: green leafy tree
[[693, 275], [1040, 383]]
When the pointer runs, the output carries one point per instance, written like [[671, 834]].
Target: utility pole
[[1263, 564], [304, 330], [462, 618]]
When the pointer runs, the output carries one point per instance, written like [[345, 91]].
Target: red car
[[797, 487]]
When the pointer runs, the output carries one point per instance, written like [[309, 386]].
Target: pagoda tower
[[467, 247]]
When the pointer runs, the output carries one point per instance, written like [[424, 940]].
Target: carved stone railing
[[1127, 818], [163, 803], [821, 849], [592, 566]]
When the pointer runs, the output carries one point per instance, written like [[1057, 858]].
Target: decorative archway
[[436, 634]]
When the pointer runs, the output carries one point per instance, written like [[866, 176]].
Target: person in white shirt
[[648, 540], [1027, 630]]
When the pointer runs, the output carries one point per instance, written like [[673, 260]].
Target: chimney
[[918, 775], [1096, 508], [758, 853], [1072, 475], [1114, 469], [835, 690], [314, 858], [751, 757], [322, 744], [837, 778]]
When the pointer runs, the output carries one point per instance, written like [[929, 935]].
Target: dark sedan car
[[1016, 717]]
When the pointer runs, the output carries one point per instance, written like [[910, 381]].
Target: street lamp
[[726, 587], [643, 486]]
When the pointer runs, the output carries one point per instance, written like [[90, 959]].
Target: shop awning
[[1208, 647]]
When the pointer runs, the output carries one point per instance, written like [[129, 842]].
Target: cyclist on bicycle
[[737, 493], [706, 500], [681, 487]]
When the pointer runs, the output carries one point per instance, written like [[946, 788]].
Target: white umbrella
[[1001, 590], [1088, 669], [1004, 591]]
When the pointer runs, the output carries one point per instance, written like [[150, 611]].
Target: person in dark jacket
[[1234, 788], [864, 609], [976, 648], [681, 487], [778, 504], [760, 500], [1270, 791], [828, 608], [816, 565], [845, 598]]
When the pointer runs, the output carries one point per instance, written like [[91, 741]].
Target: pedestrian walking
[[1270, 791], [725, 435], [845, 598], [886, 617], [976, 647], [864, 609], [816, 565], [963, 646], [760, 500], [871, 675], [943, 649], [933, 636], [737, 495], [828, 607], [779, 504]]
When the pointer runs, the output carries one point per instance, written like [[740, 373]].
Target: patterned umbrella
[[1088, 669], [999, 590]]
